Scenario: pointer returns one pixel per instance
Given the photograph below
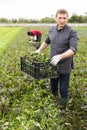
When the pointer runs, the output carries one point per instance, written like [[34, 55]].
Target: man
[[63, 41], [35, 35]]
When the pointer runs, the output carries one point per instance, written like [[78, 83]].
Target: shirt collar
[[61, 28]]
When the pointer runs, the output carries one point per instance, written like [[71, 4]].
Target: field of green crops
[[26, 103]]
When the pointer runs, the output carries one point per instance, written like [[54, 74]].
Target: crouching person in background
[[35, 36]]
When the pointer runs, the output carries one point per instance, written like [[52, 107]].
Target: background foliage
[[73, 19]]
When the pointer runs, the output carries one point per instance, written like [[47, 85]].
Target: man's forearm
[[67, 54], [43, 46]]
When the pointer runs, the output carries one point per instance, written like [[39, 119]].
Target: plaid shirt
[[60, 41]]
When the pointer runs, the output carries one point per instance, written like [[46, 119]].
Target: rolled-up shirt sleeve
[[73, 40], [47, 40]]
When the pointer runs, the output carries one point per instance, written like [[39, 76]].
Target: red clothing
[[36, 32]]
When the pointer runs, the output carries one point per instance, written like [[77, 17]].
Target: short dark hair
[[61, 11], [29, 33]]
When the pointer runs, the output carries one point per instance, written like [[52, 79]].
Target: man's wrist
[[59, 57]]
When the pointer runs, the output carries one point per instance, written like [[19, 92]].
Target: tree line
[[73, 19]]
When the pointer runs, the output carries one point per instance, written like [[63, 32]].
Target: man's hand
[[37, 51], [55, 59]]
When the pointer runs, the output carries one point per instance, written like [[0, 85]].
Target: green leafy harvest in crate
[[34, 57], [40, 66]]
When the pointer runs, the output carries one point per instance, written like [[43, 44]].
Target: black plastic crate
[[39, 70]]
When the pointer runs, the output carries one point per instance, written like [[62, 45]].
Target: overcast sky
[[37, 9]]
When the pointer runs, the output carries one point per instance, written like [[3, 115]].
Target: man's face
[[61, 20]]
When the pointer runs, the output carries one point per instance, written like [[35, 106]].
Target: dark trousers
[[62, 82], [38, 40]]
